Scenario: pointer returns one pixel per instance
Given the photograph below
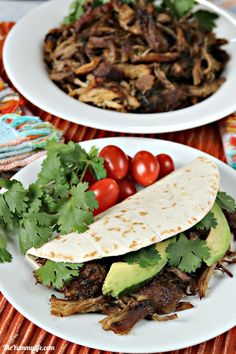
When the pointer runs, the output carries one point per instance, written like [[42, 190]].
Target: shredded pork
[[135, 58]]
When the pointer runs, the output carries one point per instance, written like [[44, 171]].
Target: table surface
[[14, 328]]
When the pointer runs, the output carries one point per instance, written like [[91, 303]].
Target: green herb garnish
[[187, 255], [226, 202], [207, 222], [145, 257], [58, 201], [57, 274]]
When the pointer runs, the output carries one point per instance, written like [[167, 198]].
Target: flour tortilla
[[166, 208]]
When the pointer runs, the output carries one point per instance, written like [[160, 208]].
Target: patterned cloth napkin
[[228, 134], [22, 137]]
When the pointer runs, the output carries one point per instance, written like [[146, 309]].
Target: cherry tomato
[[116, 162], [88, 177], [145, 168], [107, 192], [127, 188], [129, 174], [166, 165]]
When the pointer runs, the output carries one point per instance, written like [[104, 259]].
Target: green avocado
[[219, 238], [123, 277]]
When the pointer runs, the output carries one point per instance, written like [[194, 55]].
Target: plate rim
[[110, 347], [131, 127]]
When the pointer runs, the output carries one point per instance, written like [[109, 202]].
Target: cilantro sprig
[[208, 222], [187, 254], [57, 274], [226, 202], [145, 257], [177, 8], [206, 19], [5, 256], [58, 201]]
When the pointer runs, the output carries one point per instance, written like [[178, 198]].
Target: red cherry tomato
[[129, 174], [107, 192], [88, 177], [145, 168], [127, 188], [166, 165], [116, 162]]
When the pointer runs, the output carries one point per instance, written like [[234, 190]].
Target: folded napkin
[[10, 101], [22, 139], [228, 134]]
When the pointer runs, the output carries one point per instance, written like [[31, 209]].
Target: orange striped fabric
[[15, 329]]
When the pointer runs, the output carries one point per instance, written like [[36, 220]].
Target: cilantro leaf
[[34, 230], [145, 257], [34, 198], [226, 202], [56, 274], [52, 171], [69, 154], [5, 256], [6, 217], [206, 19], [7, 183], [183, 7], [207, 222], [76, 213], [76, 10], [186, 254], [96, 163], [178, 8], [16, 198]]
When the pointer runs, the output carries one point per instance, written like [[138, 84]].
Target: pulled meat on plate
[[135, 58], [158, 299]]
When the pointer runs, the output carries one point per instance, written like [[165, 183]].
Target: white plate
[[209, 317], [24, 65]]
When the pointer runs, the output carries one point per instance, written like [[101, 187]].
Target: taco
[[141, 257]]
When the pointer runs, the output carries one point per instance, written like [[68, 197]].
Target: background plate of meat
[[126, 101], [209, 317]]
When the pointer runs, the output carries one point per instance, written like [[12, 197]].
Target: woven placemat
[[17, 331]]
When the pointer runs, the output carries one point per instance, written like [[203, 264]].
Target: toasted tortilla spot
[[91, 254], [114, 229], [168, 231], [142, 213], [125, 220], [127, 231], [66, 258], [153, 239], [133, 244], [52, 254], [58, 237], [137, 223], [97, 238]]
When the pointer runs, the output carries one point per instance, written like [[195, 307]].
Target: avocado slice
[[123, 277], [219, 238]]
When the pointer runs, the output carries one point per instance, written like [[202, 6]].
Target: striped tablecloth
[[18, 331]]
